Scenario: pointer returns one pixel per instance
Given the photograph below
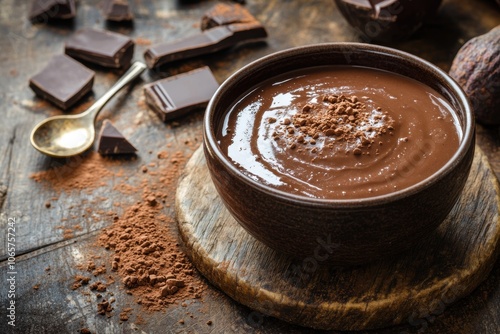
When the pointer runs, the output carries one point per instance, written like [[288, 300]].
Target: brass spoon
[[67, 135]]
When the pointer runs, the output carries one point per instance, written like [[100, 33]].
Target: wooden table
[[47, 257]]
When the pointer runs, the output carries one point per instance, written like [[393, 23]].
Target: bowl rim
[[210, 142]]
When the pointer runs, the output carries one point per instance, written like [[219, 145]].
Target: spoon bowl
[[68, 135], [63, 136]]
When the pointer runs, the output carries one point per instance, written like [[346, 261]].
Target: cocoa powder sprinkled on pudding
[[339, 118]]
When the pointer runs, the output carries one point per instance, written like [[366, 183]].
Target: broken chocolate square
[[111, 141], [117, 10], [223, 26], [101, 47], [224, 14], [173, 97], [208, 41], [45, 10], [63, 81]]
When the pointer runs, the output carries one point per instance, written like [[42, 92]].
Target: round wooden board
[[445, 267]]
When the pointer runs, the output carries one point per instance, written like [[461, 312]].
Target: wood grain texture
[[445, 267], [26, 48]]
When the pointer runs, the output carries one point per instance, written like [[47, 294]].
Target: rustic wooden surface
[[445, 267], [40, 243]]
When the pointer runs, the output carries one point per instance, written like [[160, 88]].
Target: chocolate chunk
[[63, 81], [45, 10], [226, 13], [177, 95], [206, 42], [378, 20], [101, 47], [117, 10], [111, 141]]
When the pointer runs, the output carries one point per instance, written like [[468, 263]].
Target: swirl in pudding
[[340, 132]]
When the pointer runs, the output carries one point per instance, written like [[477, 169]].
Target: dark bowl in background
[[391, 21], [348, 231]]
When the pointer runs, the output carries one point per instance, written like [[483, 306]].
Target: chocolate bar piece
[[208, 41], [178, 95], [101, 47], [224, 14], [63, 81], [117, 10], [111, 141], [45, 10]]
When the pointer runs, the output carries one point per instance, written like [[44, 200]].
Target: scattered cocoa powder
[[88, 266], [104, 307], [125, 313], [99, 270], [162, 155], [145, 250], [79, 281], [139, 320], [142, 41], [98, 286], [337, 117], [151, 200], [141, 103], [78, 173], [143, 241], [68, 233]]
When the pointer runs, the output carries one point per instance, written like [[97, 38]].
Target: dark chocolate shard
[[46, 10], [178, 95], [208, 41], [101, 47], [63, 81], [117, 11], [224, 14], [111, 141]]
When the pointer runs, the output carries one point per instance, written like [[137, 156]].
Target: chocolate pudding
[[340, 132]]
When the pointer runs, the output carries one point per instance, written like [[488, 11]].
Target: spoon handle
[[134, 71]]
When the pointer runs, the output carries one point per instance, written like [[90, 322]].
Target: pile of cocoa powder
[[339, 117], [142, 242], [148, 257]]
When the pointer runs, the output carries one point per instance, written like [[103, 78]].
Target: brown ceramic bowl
[[348, 231], [388, 20]]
